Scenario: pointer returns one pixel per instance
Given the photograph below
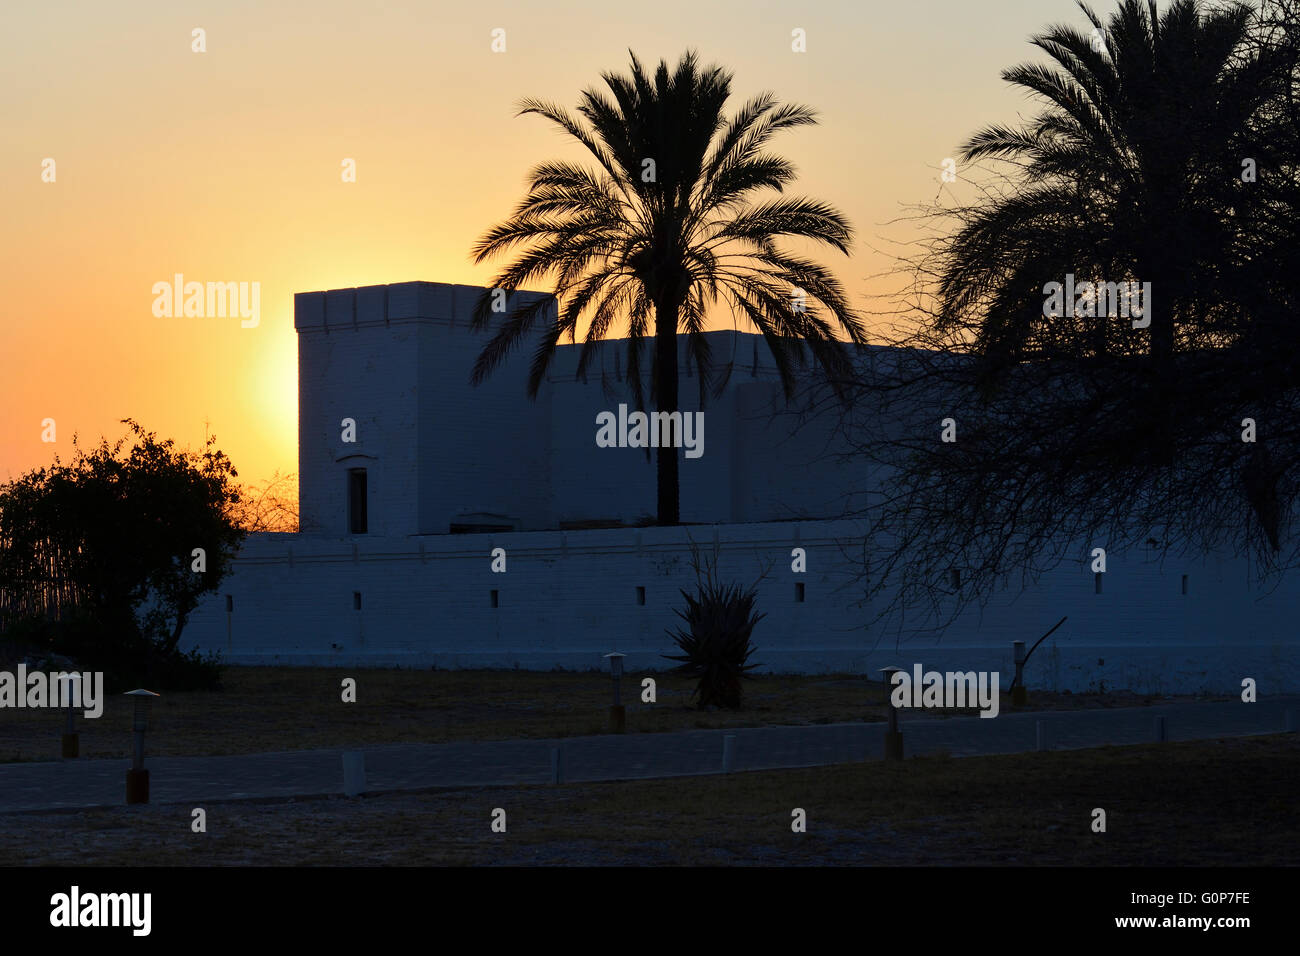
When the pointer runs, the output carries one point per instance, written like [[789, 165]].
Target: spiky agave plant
[[716, 644]]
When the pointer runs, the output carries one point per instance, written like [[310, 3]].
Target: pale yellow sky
[[225, 166]]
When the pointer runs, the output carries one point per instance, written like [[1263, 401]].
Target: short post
[[1018, 693], [1161, 733], [1290, 720], [1042, 735], [137, 778], [893, 736], [617, 715], [354, 773], [557, 765], [71, 742], [728, 752]]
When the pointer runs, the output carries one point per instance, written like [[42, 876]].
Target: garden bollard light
[[71, 742], [1161, 733], [1018, 693], [137, 778], [893, 736], [557, 765], [617, 714]]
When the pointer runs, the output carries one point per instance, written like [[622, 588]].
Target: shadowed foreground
[[1223, 802], [264, 709]]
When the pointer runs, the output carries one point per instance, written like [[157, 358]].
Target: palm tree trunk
[[1157, 266], [666, 401]]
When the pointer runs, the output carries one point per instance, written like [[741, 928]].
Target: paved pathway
[[194, 780]]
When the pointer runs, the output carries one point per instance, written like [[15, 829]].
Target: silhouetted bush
[[127, 658]]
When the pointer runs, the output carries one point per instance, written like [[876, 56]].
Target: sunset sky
[[225, 166]]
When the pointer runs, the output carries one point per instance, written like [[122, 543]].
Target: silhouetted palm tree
[[666, 226], [1131, 173], [1138, 167]]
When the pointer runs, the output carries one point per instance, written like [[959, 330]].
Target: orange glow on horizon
[[224, 166]]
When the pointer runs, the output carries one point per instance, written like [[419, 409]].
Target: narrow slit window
[[356, 600], [357, 518], [230, 603], [798, 592], [495, 597], [1096, 577], [640, 595], [1184, 584]]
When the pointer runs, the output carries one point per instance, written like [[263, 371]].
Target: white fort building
[[393, 564]]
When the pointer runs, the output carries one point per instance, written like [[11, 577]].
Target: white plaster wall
[[590, 482], [354, 363], [484, 448], [397, 359], [569, 597]]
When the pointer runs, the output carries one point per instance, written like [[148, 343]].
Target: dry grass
[[270, 709], [1205, 803]]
